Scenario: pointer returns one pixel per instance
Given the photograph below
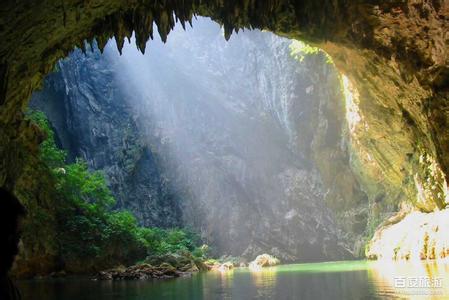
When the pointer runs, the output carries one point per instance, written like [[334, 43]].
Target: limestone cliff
[[249, 139], [92, 121], [411, 236], [394, 52]]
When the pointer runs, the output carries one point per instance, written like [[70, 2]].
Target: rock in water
[[226, 266], [141, 271], [263, 260]]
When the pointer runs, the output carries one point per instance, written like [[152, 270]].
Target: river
[[329, 280]]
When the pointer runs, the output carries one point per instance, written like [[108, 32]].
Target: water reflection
[[226, 280], [336, 280], [264, 280], [413, 280]]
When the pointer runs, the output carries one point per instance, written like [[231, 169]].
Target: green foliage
[[212, 261], [90, 234], [163, 241], [50, 154], [300, 50], [89, 229], [82, 186], [201, 252]]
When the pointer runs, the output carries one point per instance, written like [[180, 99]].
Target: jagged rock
[[141, 271], [263, 260], [167, 269], [193, 269]]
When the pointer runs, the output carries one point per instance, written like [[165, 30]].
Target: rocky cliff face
[[242, 138], [93, 122], [395, 53]]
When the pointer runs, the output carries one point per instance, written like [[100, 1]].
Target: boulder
[[226, 266], [263, 260]]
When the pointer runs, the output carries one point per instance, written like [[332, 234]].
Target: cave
[[395, 63]]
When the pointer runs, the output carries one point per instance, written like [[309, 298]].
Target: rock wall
[[418, 236], [249, 139], [390, 50], [395, 53], [92, 121]]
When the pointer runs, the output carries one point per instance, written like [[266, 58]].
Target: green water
[[332, 280]]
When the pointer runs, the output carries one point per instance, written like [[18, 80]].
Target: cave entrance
[[396, 53], [208, 134]]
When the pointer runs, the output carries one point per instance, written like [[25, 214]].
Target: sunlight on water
[[264, 280], [338, 266], [415, 280], [332, 280]]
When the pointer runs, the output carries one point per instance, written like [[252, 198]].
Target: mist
[[246, 162], [231, 124], [237, 140]]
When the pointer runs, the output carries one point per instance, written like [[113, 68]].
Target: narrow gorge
[[226, 139]]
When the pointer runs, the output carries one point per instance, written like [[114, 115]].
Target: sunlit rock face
[[247, 139], [394, 52], [395, 158], [92, 121], [418, 236]]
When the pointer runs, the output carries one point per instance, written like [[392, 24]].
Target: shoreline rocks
[[263, 260], [179, 265], [141, 271], [165, 266], [225, 263]]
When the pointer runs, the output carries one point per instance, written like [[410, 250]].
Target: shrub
[[90, 234]]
